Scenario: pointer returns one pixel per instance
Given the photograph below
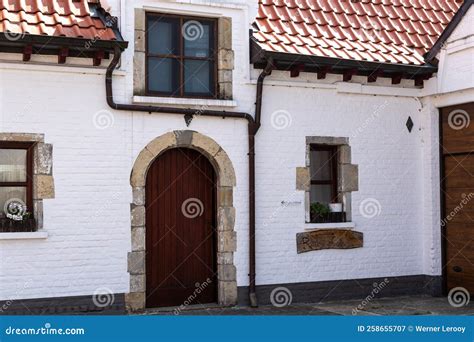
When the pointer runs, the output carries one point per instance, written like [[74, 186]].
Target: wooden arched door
[[180, 230]]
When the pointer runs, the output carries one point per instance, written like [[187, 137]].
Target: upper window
[[180, 56], [16, 170]]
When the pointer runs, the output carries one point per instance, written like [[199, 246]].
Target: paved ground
[[413, 305]]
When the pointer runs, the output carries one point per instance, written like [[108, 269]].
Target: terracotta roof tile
[[68, 18], [395, 31]]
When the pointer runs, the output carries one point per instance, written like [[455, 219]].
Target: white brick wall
[[88, 221]]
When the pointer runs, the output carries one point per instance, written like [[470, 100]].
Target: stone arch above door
[[226, 236]]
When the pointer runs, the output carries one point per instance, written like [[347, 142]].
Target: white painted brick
[[89, 220]]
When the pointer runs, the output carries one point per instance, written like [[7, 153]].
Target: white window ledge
[[41, 234], [175, 101], [340, 225]]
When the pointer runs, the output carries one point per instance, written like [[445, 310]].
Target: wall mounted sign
[[328, 239]]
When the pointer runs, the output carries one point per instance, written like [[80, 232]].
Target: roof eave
[[51, 42], [309, 63]]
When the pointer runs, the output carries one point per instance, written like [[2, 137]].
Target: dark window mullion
[[181, 61]]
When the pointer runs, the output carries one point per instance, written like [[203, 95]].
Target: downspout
[[253, 129], [253, 126]]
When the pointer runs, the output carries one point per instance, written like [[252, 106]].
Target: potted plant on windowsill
[[17, 218], [319, 212]]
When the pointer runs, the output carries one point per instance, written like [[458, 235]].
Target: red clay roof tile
[[68, 18], [398, 31]]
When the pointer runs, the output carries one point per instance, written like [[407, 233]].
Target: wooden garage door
[[458, 193], [180, 234]]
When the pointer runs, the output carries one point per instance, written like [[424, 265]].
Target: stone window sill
[[174, 101], [340, 225], [40, 234]]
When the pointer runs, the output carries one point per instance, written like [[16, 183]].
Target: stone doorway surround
[[226, 236]]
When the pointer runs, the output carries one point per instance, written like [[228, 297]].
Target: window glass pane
[[321, 165], [197, 77], [11, 194], [197, 39], [12, 165], [163, 36], [321, 193], [163, 75]]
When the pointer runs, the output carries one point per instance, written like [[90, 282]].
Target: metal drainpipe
[[252, 132], [253, 127]]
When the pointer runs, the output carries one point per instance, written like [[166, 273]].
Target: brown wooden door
[[458, 195], [180, 234]]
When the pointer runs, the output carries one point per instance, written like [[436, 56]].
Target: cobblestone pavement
[[412, 305]]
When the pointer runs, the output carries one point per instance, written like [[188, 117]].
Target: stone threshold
[[184, 308]]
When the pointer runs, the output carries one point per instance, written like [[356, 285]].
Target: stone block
[[43, 187], [349, 178], [162, 143], [205, 144], [225, 258], [135, 301], [137, 283], [140, 41], [227, 293], [139, 73], [225, 59], [136, 262], [345, 154], [226, 170], [143, 161], [226, 272], [184, 138], [43, 159], [140, 18], [138, 239], [138, 215], [227, 241], [225, 196], [225, 76], [303, 179], [225, 33], [138, 195], [225, 218]]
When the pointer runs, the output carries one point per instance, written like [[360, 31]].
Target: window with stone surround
[[327, 179], [25, 180], [182, 56]]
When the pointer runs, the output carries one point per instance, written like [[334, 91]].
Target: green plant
[[320, 209]]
